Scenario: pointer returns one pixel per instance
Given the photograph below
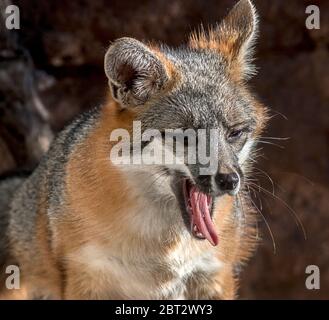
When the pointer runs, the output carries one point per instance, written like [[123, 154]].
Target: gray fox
[[83, 227]]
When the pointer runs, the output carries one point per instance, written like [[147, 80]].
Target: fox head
[[199, 86]]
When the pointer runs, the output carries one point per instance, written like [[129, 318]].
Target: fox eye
[[235, 134]]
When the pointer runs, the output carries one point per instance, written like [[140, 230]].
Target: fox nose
[[227, 182]]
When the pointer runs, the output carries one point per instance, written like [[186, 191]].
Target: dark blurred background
[[51, 70]]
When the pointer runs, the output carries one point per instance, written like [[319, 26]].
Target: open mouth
[[199, 206]]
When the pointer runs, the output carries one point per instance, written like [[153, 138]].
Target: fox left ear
[[233, 38], [136, 72]]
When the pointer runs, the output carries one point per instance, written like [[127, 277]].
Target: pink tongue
[[201, 215]]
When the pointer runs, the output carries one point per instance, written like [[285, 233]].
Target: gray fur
[[20, 198], [7, 189]]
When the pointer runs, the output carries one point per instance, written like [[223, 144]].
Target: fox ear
[[238, 32], [234, 38], [136, 73]]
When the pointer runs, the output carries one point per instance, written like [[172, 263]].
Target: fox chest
[[143, 275]]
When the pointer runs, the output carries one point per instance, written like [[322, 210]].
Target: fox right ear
[[136, 73], [233, 39]]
